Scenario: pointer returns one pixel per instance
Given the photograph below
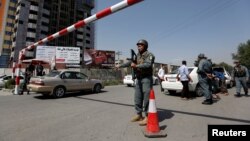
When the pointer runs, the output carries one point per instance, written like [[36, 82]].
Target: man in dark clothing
[[144, 80], [28, 74], [39, 70], [205, 78], [240, 76]]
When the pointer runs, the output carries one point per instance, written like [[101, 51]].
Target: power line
[[202, 15]]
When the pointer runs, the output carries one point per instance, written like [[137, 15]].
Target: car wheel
[[59, 92], [97, 88], [171, 92], [198, 91]]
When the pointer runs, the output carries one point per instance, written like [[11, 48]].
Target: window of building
[[45, 15], [34, 3], [20, 22], [8, 33], [8, 42], [31, 30], [33, 12], [45, 24], [44, 32], [11, 17], [10, 24], [32, 21], [87, 41], [29, 39]]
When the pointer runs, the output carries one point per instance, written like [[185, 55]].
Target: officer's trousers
[[206, 86], [142, 91], [241, 82]]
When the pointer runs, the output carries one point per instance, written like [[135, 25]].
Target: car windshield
[[53, 73], [176, 71]]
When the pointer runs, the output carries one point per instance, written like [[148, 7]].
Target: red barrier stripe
[[32, 47], [50, 38], [40, 42], [79, 24], [17, 80], [63, 32], [131, 2], [103, 13]]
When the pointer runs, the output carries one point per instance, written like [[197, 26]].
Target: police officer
[[240, 76], [205, 78], [144, 80]]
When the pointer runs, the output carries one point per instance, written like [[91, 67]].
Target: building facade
[[7, 21], [37, 19]]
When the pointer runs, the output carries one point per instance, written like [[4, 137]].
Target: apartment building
[[7, 20], [37, 19]]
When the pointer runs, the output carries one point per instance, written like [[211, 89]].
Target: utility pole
[[118, 53]]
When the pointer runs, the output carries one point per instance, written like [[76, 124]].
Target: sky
[[176, 30]]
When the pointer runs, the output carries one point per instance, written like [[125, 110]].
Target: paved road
[[105, 116]]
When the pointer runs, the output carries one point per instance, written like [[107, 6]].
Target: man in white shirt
[[183, 76], [161, 74]]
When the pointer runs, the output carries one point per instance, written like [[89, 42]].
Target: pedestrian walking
[[161, 74], [205, 78], [240, 75], [27, 75], [183, 76], [144, 80]]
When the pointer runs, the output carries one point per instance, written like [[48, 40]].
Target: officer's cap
[[201, 55]]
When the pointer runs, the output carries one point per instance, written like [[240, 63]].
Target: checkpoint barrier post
[[13, 69], [108, 11], [152, 129]]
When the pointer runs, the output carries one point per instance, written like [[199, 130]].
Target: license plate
[[172, 80]]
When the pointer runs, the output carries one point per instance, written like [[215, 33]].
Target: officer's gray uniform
[[144, 81], [240, 74], [205, 83]]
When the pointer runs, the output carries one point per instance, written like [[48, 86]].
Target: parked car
[[5, 78], [171, 84], [229, 80], [130, 82], [57, 83]]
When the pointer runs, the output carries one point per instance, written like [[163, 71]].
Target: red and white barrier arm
[[18, 68], [13, 69], [108, 11]]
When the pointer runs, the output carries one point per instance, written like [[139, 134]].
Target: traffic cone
[[152, 129]]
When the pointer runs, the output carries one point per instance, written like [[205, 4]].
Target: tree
[[228, 67], [243, 54]]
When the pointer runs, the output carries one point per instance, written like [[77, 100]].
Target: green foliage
[[9, 84], [228, 67], [243, 54]]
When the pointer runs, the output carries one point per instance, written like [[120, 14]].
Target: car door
[[68, 80], [84, 82]]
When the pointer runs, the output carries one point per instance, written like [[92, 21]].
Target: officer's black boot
[[207, 102]]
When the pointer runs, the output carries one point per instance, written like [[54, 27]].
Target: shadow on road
[[167, 114], [72, 94]]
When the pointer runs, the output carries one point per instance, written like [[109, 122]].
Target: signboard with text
[[45, 52], [69, 55]]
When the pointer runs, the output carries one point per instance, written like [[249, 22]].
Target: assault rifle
[[133, 59]]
